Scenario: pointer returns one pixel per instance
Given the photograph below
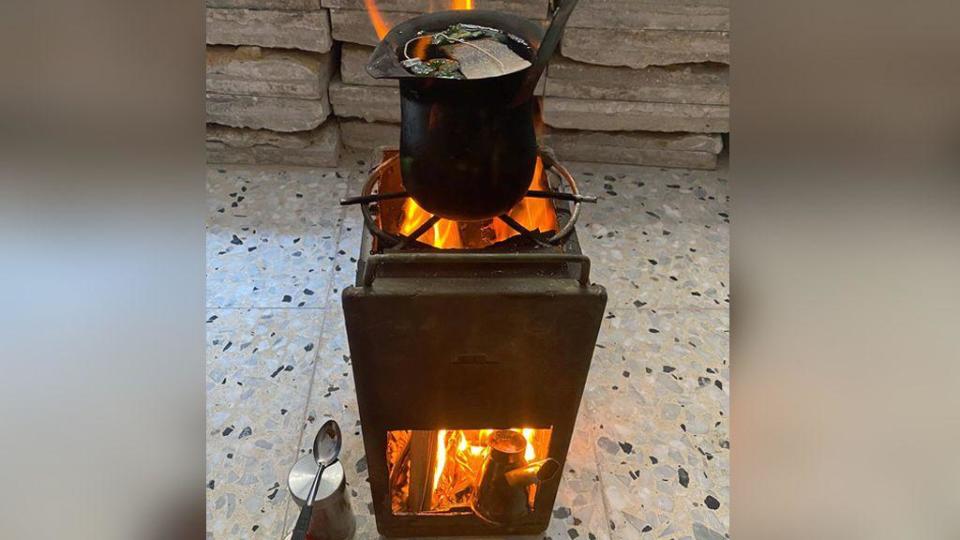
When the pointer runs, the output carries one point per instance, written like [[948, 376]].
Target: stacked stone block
[[642, 82], [369, 109], [269, 65]]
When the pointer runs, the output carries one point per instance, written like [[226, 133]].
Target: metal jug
[[502, 490], [468, 148]]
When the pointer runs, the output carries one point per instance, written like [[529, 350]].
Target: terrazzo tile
[[686, 269], [332, 395], [271, 234], [348, 250], [579, 506], [660, 382], [259, 366], [626, 192], [657, 388], [657, 237]]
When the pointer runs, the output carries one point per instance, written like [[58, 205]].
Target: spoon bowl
[[327, 443]]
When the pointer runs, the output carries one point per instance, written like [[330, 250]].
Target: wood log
[[423, 455]]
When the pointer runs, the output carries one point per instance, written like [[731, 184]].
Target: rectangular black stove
[[470, 344]]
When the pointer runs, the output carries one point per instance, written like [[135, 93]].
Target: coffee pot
[[468, 148], [501, 496]]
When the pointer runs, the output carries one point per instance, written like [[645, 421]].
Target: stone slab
[[641, 48], [280, 5], [369, 135], [253, 71], [353, 62], [684, 150], [277, 114], [707, 83], [318, 148], [652, 14], [598, 115], [354, 26], [304, 30], [533, 9], [371, 103]]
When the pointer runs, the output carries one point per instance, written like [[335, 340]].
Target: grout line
[[316, 357], [591, 410]]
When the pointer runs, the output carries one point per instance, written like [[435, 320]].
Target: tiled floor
[[650, 457]]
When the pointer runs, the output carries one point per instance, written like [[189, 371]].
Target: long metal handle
[[558, 22], [302, 527], [312, 494], [374, 261]]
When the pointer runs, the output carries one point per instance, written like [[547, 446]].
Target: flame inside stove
[[382, 26], [533, 213], [453, 466]]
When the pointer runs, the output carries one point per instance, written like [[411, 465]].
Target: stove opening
[[404, 216], [439, 472]]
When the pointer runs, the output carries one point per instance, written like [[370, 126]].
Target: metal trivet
[[398, 241]]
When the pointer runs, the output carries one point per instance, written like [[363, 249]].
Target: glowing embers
[[404, 216], [438, 471]]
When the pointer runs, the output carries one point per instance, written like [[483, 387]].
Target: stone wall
[[269, 65], [369, 109], [641, 82]]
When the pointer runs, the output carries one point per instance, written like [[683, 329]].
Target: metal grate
[[368, 199]]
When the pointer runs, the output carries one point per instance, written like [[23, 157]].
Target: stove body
[[465, 341]]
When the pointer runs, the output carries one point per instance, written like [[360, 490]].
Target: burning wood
[[439, 471]]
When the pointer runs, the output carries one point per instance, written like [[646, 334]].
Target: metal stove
[[454, 347]]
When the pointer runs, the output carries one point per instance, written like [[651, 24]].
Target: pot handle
[[533, 473], [548, 46]]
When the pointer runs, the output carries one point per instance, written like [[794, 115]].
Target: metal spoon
[[326, 450]]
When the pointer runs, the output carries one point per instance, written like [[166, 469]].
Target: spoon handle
[[303, 523]]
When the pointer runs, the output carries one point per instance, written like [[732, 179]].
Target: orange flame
[[382, 27], [459, 458], [444, 234], [376, 19], [531, 213], [441, 458], [528, 434]]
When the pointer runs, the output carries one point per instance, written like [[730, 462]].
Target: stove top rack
[[398, 242]]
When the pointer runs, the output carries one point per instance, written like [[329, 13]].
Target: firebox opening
[[438, 472], [404, 216]]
